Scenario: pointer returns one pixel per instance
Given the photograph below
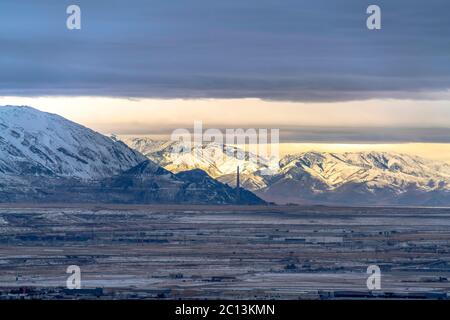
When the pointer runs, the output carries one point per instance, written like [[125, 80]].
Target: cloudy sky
[[310, 68]]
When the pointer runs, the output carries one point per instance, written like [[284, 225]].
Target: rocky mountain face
[[199, 180], [357, 178], [219, 161], [35, 143], [149, 183], [46, 158]]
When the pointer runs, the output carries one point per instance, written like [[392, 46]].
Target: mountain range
[[352, 178], [47, 158]]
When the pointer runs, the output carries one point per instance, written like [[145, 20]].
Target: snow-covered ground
[[216, 252]]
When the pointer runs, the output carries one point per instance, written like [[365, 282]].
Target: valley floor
[[230, 252]]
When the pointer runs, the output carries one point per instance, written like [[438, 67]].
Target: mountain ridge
[[37, 143], [312, 177], [47, 158]]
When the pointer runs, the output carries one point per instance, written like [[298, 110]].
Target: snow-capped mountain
[[35, 143], [375, 169], [318, 177], [46, 158], [219, 161], [359, 178]]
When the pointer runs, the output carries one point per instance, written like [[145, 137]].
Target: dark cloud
[[284, 50]]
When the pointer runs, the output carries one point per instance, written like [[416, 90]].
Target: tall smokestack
[[238, 186]]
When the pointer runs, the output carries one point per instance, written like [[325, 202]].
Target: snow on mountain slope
[[317, 177], [35, 143], [375, 169], [46, 158], [220, 162], [359, 178]]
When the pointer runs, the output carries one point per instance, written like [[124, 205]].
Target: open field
[[273, 252]]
